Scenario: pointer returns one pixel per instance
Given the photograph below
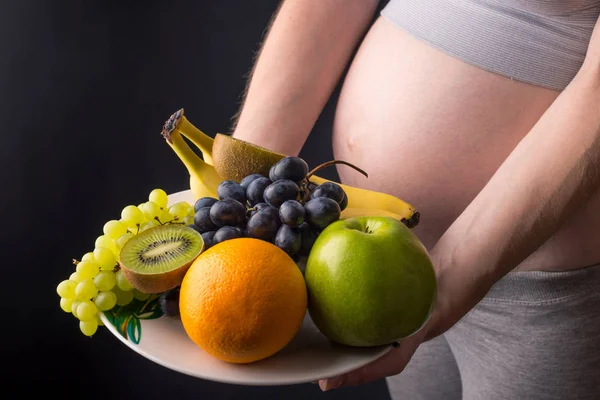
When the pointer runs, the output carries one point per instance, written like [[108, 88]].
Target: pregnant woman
[[484, 114]]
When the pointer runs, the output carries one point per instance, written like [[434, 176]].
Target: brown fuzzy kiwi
[[235, 159], [157, 259]]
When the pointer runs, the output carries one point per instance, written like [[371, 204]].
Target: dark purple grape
[[291, 213], [169, 302], [255, 208], [231, 190], [255, 190], [288, 239], [322, 211], [278, 192], [309, 235], [344, 202], [292, 168], [228, 212], [329, 189], [249, 179], [208, 239], [202, 220], [226, 233], [264, 224], [204, 202]]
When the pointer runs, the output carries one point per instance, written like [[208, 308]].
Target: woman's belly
[[432, 130]]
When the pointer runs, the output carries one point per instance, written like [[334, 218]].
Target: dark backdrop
[[85, 88]]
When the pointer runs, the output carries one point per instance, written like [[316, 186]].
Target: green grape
[[132, 216], [88, 257], [106, 242], [148, 225], [85, 289], [66, 304], [99, 320], [75, 277], [179, 210], [189, 220], [105, 300], [151, 210], [123, 298], [86, 310], [87, 269], [122, 282], [113, 229], [105, 258], [120, 242], [191, 211], [165, 217], [66, 289], [140, 295], [74, 306], [88, 328], [159, 197], [105, 280]]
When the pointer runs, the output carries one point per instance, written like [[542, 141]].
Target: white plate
[[310, 356]]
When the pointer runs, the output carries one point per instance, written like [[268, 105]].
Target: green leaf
[[134, 330], [153, 314]]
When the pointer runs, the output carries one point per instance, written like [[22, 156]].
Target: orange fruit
[[242, 300]]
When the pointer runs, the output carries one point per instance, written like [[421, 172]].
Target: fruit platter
[[259, 273]]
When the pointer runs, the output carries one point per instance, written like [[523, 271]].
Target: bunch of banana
[[204, 178]]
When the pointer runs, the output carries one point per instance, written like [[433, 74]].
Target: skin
[[486, 159]]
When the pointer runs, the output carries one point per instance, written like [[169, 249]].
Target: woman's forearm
[[299, 65], [551, 173]]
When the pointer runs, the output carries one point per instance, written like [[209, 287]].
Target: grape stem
[[306, 180], [332, 162]]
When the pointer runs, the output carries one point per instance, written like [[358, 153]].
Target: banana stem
[[192, 162], [199, 138]]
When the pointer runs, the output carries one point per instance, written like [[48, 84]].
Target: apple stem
[[332, 162], [396, 344]]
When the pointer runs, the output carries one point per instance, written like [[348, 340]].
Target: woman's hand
[[396, 359]]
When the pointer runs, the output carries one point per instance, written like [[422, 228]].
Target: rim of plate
[[221, 379]]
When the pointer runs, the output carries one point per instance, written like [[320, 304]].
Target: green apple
[[370, 281]]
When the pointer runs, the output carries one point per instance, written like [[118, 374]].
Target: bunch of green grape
[[98, 285]]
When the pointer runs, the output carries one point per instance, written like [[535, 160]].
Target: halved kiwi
[[235, 158], [157, 259]]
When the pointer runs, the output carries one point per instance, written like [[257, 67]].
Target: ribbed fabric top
[[533, 287], [542, 42]]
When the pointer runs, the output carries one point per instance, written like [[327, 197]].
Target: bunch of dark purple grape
[[285, 208]]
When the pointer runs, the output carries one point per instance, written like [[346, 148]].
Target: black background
[[85, 88]]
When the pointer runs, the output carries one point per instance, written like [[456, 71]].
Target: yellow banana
[[350, 212], [360, 201], [204, 179], [363, 199]]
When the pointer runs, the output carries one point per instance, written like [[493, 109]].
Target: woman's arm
[[306, 50], [549, 176]]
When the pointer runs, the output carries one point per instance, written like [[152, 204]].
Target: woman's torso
[[432, 130]]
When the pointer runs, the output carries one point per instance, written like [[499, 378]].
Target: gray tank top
[[542, 42]]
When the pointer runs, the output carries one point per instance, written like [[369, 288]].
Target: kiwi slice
[[235, 158], [157, 259]]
